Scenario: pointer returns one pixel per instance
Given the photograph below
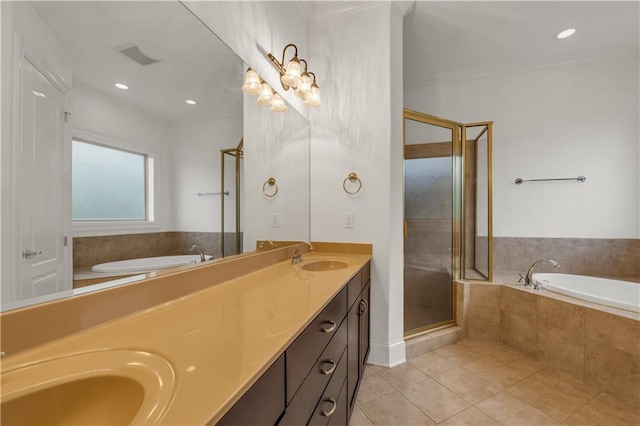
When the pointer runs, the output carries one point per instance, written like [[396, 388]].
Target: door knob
[[28, 254]]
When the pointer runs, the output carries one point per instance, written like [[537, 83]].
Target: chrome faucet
[[528, 280], [296, 259], [307, 243], [273, 245], [202, 258]]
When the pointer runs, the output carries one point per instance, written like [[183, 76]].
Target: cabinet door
[[263, 404], [353, 352], [365, 316]]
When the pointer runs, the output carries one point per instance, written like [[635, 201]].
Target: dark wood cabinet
[[359, 330], [316, 380], [264, 403]]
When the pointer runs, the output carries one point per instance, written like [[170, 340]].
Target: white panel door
[[42, 187]]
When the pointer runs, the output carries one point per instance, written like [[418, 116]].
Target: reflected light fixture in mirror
[[252, 83], [292, 77], [266, 94]]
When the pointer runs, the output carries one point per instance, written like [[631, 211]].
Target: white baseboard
[[387, 354]]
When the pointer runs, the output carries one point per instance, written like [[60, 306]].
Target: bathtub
[[618, 294], [147, 264]]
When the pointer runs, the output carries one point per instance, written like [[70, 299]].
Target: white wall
[[121, 123], [557, 121], [358, 129], [253, 29], [195, 163]]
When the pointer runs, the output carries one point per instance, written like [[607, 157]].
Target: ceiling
[[194, 63], [451, 39]]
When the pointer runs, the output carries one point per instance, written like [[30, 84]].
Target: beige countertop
[[218, 341]]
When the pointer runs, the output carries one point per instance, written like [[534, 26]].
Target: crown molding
[[542, 64]]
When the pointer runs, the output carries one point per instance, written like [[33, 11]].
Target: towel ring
[[352, 178], [271, 182]]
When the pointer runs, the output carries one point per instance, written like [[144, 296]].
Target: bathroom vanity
[[317, 378], [268, 345]]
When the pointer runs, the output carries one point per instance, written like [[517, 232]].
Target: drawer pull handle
[[364, 306], [333, 409], [331, 370], [332, 326]]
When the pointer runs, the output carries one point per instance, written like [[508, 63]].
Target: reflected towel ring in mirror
[[271, 182], [352, 178]]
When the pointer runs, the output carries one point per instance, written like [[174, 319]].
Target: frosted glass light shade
[[251, 84], [305, 87], [313, 99], [277, 104], [266, 94], [291, 77]]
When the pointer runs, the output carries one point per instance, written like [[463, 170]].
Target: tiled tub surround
[[596, 257], [593, 343], [89, 251]]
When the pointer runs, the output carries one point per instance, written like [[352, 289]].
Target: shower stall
[[231, 166], [447, 208]]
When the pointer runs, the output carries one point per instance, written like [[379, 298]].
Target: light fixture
[[266, 94], [277, 103], [292, 77], [252, 83], [566, 33], [190, 101], [313, 98], [122, 86]]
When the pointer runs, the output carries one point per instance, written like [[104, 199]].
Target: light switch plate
[[348, 220]]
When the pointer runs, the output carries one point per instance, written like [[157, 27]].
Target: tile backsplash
[[598, 257], [89, 251]]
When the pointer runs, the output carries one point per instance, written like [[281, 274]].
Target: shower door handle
[[406, 230]]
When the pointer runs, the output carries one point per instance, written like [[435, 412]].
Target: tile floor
[[479, 382]]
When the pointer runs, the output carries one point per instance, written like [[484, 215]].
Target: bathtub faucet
[[202, 258], [528, 281]]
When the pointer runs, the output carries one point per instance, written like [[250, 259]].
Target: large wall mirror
[[119, 115]]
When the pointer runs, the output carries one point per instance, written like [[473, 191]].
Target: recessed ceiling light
[[190, 102], [566, 33], [122, 86]]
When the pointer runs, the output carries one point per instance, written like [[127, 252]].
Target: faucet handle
[[521, 279]]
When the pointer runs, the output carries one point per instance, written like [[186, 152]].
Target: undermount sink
[[325, 265], [98, 388]]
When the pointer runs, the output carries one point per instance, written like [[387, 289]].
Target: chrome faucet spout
[[202, 258], [528, 279], [273, 245], [307, 243]]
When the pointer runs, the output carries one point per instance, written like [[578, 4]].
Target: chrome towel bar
[[579, 179]]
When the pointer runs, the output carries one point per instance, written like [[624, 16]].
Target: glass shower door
[[432, 213]]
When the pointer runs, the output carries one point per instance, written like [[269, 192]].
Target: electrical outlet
[[275, 221], [348, 220]]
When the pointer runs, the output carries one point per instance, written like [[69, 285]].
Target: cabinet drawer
[[263, 403], [354, 289], [333, 405], [305, 350], [332, 359]]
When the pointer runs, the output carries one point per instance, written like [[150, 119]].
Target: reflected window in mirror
[[109, 183]]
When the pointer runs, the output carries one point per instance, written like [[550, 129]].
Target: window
[[110, 184]]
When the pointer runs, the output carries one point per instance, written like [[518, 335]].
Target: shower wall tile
[[599, 257]]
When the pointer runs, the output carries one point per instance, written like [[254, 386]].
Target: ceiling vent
[[133, 52]]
